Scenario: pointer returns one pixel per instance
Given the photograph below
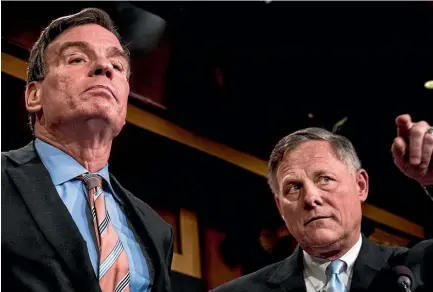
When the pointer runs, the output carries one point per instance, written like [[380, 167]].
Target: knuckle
[[414, 158], [422, 124], [423, 165], [417, 132]]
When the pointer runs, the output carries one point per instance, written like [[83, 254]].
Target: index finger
[[404, 123]]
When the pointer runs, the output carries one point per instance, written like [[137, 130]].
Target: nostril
[[98, 71], [108, 74]]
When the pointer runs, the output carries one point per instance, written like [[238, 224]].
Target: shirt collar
[[351, 255], [315, 268], [61, 166]]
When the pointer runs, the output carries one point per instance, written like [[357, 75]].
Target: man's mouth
[[316, 218], [102, 87]]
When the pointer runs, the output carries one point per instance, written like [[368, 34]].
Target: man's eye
[[76, 60], [117, 67], [293, 189], [325, 179], [326, 182]]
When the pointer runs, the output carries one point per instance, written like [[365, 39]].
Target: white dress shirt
[[315, 269]]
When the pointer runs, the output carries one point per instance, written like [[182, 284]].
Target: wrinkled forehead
[[95, 35], [309, 156]]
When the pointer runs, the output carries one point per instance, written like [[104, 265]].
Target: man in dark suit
[[67, 223], [319, 185]]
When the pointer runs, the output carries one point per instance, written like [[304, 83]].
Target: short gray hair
[[36, 70], [342, 147]]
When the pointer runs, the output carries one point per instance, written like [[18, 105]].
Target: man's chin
[[96, 123], [323, 238]]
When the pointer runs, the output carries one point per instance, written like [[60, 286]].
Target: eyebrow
[[81, 45], [116, 52], [286, 181], [85, 46], [294, 178]]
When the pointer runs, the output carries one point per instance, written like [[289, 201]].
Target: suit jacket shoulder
[[256, 281], [282, 276], [13, 159], [372, 272]]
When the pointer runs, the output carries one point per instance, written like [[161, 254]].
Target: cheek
[[58, 87], [291, 216], [348, 206], [70, 86], [125, 92]]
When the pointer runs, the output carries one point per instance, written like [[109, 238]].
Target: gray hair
[[37, 68], [341, 146]]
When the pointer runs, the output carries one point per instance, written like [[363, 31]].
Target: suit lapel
[[288, 276], [370, 262], [143, 228], [51, 216], [368, 265]]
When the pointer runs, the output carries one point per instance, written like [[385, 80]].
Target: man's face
[[86, 79], [319, 195]]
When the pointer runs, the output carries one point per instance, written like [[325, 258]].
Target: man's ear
[[362, 182], [33, 97]]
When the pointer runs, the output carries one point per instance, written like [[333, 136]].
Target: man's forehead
[[309, 154], [310, 150], [93, 34]]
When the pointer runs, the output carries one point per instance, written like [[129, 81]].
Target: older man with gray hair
[[319, 187]]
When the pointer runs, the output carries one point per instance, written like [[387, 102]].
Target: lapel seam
[[148, 239]]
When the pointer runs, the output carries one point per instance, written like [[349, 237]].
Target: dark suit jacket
[[372, 271], [42, 248]]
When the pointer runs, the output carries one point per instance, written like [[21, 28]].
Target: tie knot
[[91, 180], [336, 267]]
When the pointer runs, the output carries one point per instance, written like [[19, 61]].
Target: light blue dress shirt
[[63, 169]]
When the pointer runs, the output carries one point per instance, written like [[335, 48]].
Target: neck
[[89, 148], [334, 250]]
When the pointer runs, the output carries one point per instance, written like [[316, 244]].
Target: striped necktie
[[333, 272], [113, 260]]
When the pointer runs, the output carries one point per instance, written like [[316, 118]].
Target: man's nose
[[312, 196], [103, 67]]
